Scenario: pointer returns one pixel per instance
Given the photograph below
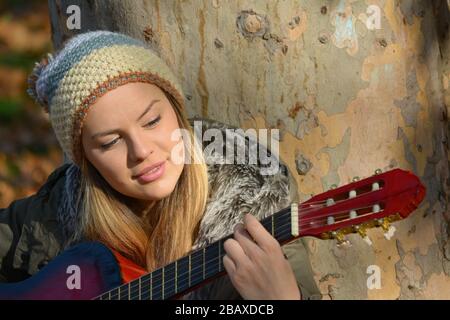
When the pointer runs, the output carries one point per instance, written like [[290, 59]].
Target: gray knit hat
[[87, 67]]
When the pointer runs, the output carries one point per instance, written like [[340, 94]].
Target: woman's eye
[[108, 145], [153, 122]]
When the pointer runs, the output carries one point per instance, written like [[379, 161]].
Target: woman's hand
[[256, 264]]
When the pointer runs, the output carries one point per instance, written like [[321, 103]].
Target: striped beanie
[[89, 65]]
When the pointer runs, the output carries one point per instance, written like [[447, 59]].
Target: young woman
[[115, 108]]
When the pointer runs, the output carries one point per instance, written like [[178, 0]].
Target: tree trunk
[[348, 95]]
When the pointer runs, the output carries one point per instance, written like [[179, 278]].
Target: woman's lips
[[152, 175]]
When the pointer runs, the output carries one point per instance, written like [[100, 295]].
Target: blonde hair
[[166, 230]]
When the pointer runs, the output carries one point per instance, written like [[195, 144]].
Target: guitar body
[[82, 272]]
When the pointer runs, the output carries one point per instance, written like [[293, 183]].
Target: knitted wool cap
[[90, 65]]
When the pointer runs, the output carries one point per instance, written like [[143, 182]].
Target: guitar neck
[[199, 266]]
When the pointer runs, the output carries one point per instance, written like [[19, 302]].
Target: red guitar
[[372, 202]]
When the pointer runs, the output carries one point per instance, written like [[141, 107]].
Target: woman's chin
[[157, 192]]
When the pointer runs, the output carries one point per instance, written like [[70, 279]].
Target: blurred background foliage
[[29, 151]]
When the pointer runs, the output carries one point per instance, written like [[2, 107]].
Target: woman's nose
[[140, 148]]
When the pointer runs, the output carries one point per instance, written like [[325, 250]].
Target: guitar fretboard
[[195, 268]]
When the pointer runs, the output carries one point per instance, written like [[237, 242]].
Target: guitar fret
[[129, 291], [151, 289], [189, 270], [162, 293], [273, 225], [140, 288], [119, 293], [203, 262], [176, 276]]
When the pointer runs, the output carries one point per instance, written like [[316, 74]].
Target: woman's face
[[137, 120]]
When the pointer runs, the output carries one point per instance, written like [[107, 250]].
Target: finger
[[240, 231], [247, 243], [229, 265], [257, 231], [235, 252]]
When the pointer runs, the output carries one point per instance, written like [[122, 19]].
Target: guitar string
[[303, 213], [281, 229], [209, 262]]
